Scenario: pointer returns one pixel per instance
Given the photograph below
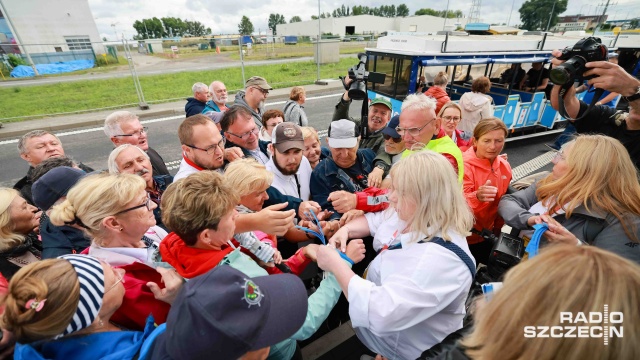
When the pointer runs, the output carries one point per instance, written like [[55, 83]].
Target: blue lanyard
[[319, 234], [534, 243]]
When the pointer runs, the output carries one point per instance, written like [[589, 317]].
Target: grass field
[[35, 101]]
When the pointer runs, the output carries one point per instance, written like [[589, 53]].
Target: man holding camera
[[604, 119]]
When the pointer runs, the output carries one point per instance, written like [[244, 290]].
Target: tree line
[[155, 28]]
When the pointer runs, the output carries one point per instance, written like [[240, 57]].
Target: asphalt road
[[90, 146]]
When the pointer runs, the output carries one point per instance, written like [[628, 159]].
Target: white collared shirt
[[413, 297], [121, 256], [287, 185]]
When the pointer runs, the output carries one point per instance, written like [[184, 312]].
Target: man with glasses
[[240, 130], [219, 98], [195, 105], [202, 146], [124, 127], [130, 159], [253, 97]]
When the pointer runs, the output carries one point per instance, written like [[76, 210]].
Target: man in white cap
[[347, 169]]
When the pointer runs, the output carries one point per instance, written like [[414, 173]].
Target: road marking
[[168, 118], [532, 165]]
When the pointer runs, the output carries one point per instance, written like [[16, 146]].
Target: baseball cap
[[382, 100], [224, 314], [54, 184], [343, 134], [287, 136], [215, 116], [259, 82], [390, 129]]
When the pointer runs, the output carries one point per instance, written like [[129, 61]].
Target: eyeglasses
[[211, 149], [137, 133], [395, 140], [413, 131], [146, 204], [451, 118], [558, 156], [246, 135], [120, 278], [263, 91]]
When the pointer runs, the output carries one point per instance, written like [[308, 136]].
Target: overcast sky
[[223, 16]]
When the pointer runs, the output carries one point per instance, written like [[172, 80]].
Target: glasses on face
[[146, 204], [413, 131], [389, 137], [246, 135], [211, 149], [558, 156], [263, 91], [137, 133], [451, 118]]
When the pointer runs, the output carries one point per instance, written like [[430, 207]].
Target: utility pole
[[513, 3], [551, 15], [318, 44], [114, 29], [446, 15], [15, 33], [601, 17]]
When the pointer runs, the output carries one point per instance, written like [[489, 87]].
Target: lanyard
[[295, 176], [319, 234]]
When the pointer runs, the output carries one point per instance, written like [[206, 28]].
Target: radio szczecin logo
[[603, 325]]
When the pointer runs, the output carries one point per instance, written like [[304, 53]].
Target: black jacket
[[30, 244], [157, 163], [194, 107], [61, 240], [24, 185]]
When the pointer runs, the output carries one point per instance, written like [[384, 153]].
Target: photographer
[[604, 119]]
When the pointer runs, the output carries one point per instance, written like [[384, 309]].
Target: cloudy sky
[[223, 16]]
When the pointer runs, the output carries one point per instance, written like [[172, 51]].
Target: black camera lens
[[568, 71]]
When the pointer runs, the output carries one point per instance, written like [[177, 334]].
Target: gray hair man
[[256, 91], [219, 98], [196, 104], [124, 127]]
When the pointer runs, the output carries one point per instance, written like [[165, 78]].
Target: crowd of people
[[263, 232]]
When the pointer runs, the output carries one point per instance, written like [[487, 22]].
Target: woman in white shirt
[[412, 294]]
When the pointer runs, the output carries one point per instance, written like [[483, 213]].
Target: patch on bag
[[252, 294]]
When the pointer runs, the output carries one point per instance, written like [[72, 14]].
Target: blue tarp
[[55, 68]]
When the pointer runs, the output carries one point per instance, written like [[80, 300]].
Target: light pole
[[513, 3], [318, 44], [446, 15], [551, 14], [114, 29]]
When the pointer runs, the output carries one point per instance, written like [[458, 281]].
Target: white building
[[570, 26], [369, 24], [50, 30]]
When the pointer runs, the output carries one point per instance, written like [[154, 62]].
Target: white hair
[[198, 87], [111, 163], [418, 102], [112, 122]]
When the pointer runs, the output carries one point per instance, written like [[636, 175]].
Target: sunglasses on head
[[395, 140]]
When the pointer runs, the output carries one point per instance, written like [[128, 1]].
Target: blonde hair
[[196, 203], [487, 125], [440, 205], [441, 79], [247, 176], [296, 93], [600, 175], [8, 238], [54, 280], [308, 131], [94, 198], [450, 104], [562, 278]]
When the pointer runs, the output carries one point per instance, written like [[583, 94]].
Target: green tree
[[245, 27], [402, 10], [174, 26], [634, 23], [534, 14], [149, 28], [295, 19], [426, 11], [275, 19]]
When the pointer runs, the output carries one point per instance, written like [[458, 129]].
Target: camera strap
[[534, 243], [597, 94]]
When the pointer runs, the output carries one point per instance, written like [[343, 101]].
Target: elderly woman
[[313, 151], [592, 196], [116, 212], [560, 280], [413, 293], [201, 210], [19, 244], [270, 119], [476, 104], [451, 115], [293, 109], [486, 179]]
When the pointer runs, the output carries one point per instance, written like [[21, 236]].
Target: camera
[[360, 76], [584, 51], [507, 252]]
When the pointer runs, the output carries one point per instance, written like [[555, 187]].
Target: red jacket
[[440, 95], [476, 173], [188, 261]]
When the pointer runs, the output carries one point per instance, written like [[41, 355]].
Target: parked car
[[346, 39], [359, 38]]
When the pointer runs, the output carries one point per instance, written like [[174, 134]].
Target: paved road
[[91, 146]]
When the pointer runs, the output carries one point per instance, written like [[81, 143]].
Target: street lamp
[[114, 29]]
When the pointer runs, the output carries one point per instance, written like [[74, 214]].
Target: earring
[[121, 229]]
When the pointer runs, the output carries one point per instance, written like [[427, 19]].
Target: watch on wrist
[[635, 96]]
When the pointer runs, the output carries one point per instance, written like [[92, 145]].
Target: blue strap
[[458, 251], [534, 243], [320, 234]]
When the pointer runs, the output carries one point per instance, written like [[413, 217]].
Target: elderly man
[[124, 127], [240, 130], [347, 169], [291, 169], [35, 147], [196, 104], [219, 98], [253, 97], [130, 159]]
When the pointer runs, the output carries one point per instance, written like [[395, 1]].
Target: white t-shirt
[[287, 185]]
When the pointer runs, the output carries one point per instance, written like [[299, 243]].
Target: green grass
[[35, 101]]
